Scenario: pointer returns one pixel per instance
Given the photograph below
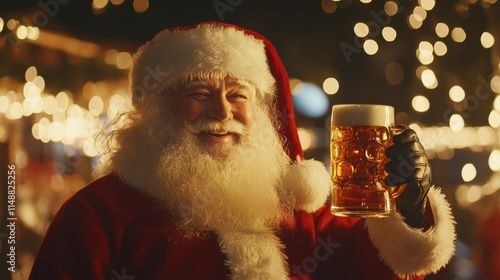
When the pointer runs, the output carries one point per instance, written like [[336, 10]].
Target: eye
[[238, 97], [199, 95]]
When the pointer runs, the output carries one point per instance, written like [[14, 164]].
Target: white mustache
[[216, 127]]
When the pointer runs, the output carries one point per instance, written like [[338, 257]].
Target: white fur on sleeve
[[411, 252]]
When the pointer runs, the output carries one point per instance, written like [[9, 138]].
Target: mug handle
[[395, 130]]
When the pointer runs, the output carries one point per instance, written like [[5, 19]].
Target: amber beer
[[360, 134]]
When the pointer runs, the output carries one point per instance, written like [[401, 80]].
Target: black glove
[[408, 165]]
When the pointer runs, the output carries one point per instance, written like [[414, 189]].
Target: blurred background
[[64, 67]]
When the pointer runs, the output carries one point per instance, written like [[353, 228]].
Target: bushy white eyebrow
[[198, 83], [244, 85]]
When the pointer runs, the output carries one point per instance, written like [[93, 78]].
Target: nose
[[220, 109]]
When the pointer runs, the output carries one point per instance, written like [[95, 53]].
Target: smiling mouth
[[218, 134]]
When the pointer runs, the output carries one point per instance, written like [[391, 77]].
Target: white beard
[[241, 191]]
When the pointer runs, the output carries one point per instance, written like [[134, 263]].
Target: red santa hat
[[214, 49]]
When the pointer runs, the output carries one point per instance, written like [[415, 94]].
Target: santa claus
[[205, 179]]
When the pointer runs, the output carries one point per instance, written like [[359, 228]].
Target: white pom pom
[[310, 182]]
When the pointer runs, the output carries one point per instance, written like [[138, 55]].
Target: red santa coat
[[108, 230]]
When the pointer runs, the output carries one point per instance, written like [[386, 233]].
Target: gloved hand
[[408, 165]]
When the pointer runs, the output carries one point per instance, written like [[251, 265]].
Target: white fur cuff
[[411, 252]]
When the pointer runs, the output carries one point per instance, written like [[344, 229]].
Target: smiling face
[[218, 111]]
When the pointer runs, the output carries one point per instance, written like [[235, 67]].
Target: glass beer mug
[[360, 134]]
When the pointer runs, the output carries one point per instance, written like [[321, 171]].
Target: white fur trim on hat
[[254, 255], [412, 252], [203, 51], [309, 181]]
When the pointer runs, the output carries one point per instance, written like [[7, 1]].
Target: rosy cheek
[[246, 116]]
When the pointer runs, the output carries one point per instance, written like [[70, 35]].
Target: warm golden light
[[39, 82], [496, 103], [30, 73], [110, 56], [495, 84], [361, 29], [420, 103], [494, 119], [96, 105], [15, 111], [474, 194], [420, 12], [33, 32], [429, 79], [4, 103], [456, 93], [389, 33], [469, 172], [442, 30], [62, 100], [425, 53], [415, 21], [329, 6], [67, 44], [458, 34], [390, 8], [22, 32], [494, 160], [12, 24], [140, 6], [487, 40], [331, 86], [123, 60], [427, 4], [456, 122], [99, 4], [370, 47], [49, 104], [305, 138], [440, 48]]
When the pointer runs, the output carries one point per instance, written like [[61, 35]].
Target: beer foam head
[[363, 114]]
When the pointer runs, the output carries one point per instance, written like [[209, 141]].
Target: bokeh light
[[442, 29], [389, 33], [420, 103], [456, 93], [487, 40], [331, 86], [469, 172], [310, 100], [370, 46], [458, 34]]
